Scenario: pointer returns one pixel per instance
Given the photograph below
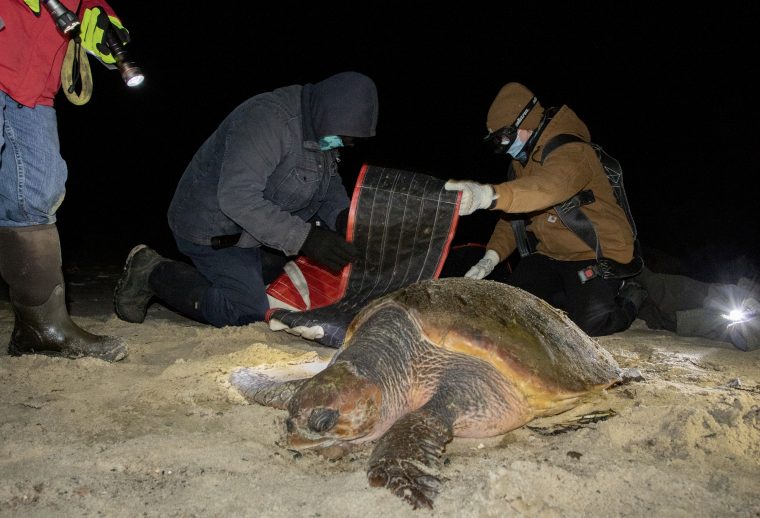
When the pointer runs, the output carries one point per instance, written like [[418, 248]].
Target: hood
[[343, 104], [509, 102]]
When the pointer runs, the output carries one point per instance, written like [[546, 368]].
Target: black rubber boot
[[133, 292], [181, 287], [48, 329], [30, 262]]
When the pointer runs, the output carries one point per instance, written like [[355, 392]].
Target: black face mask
[[502, 139]]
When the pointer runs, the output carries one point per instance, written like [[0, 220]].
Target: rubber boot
[[181, 287], [30, 262], [133, 294]]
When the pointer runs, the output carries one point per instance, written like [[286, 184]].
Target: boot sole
[[119, 353]]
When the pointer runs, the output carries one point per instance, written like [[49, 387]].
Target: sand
[[161, 433]]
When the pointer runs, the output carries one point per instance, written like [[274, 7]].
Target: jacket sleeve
[[565, 172], [253, 150], [503, 240]]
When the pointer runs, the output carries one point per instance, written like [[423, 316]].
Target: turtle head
[[332, 410]]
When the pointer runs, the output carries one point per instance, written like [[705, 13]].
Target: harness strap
[[568, 211], [525, 245], [611, 167], [573, 218], [526, 241], [576, 220]]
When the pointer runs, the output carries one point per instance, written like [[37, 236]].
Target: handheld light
[[130, 72], [65, 20]]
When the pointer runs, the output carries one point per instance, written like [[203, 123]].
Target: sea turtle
[[452, 357]]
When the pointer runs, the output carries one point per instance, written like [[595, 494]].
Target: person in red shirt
[[33, 173]]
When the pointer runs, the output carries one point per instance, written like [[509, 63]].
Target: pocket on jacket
[[296, 190]]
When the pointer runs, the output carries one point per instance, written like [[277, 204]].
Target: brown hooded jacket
[[568, 170]]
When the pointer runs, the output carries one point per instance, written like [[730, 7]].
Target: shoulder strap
[[615, 176], [611, 166], [557, 141], [569, 211]]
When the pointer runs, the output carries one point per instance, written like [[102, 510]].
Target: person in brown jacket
[[564, 270]]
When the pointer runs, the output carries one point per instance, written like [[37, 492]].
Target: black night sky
[[667, 90]]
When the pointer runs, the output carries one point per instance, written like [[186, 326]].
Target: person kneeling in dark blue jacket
[[262, 188]]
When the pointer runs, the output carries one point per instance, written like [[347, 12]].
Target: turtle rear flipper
[[407, 459]]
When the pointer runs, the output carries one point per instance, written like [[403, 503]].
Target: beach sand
[[161, 433]]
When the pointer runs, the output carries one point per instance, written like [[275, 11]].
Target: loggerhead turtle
[[445, 358]]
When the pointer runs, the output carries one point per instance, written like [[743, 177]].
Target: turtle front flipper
[[407, 459], [258, 387]]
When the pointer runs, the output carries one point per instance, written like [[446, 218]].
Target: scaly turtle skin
[[446, 358]]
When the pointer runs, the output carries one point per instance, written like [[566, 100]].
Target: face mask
[[330, 142], [516, 147]]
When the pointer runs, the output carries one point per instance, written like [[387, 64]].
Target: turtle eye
[[322, 419]]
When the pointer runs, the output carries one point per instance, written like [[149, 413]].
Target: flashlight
[[739, 315], [64, 19], [69, 25], [130, 72], [735, 315]]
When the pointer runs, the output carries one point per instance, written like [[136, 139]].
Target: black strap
[[557, 141], [526, 241], [580, 224], [525, 111], [576, 220], [570, 216], [612, 169]]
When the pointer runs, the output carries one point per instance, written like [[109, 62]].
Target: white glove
[[485, 266], [475, 196]]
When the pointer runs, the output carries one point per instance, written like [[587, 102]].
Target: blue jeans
[[237, 295], [32, 172]]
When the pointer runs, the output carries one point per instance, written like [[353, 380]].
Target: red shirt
[[32, 51]]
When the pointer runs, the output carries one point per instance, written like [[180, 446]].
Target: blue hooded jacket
[[262, 174]]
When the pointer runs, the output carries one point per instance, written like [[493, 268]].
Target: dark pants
[[238, 276], [690, 307], [668, 294], [593, 305]]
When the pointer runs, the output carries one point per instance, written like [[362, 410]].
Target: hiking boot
[[133, 292]]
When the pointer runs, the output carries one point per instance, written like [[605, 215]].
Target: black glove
[[328, 248]]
